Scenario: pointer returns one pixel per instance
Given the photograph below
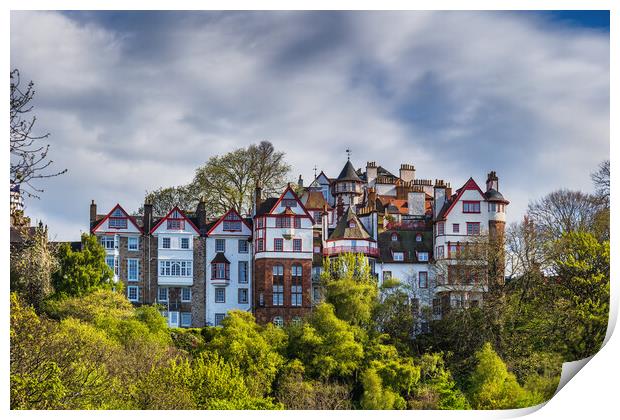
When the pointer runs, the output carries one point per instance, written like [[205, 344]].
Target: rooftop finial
[[315, 168], [348, 154]]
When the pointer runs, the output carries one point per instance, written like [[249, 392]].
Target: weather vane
[[315, 168], [348, 154]]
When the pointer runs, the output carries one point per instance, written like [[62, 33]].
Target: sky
[[138, 100]]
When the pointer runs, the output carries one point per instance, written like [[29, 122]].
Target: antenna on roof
[[348, 154]]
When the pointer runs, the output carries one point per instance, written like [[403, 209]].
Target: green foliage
[[251, 347], [81, 272], [394, 314], [326, 345], [436, 389], [376, 396], [350, 288], [493, 387]]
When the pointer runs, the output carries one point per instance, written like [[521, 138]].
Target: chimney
[[439, 196], [371, 173], [201, 214], [147, 219], [448, 191], [93, 212], [407, 172], [258, 191], [300, 182], [492, 181]]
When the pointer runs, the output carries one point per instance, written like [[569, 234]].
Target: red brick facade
[[263, 285]]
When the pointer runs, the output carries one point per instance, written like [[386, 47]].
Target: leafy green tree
[[436, 389], [326, 345], [350, 288], [376, 396], [394, 314], [252, 347], [493, 387], [81, 272]]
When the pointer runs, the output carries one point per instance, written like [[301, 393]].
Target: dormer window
[[117, 220], [394, 237], [418, 237], [232, 223], [422, 256], [175, 221], [398, 256], [289, 202], [351, 224]]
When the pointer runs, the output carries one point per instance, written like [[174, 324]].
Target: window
[[317, 217], [243, 246], [283, 222], [471, 206], [117, 223], [184, 243], [186, 294], [418, 237], [220, 245], [297, 222], [218, 319], [387, 275], [175, 224], [437, 307], [453, 250], [496, 207], [440, 251], [165, 243], [440, 228], [186, 319], [261, 299], [220, 295], [116, 263], [132, 293], [317, 249], [278, 285], [243, 296], [132, 243], [289, 202], [296, 320], [398, 256], [220, 271], [352, 224], [473, 228], [394, 237], [259, 223], [177, 268], [278, 244], [422, 256], [260, 245], [162, 294], [423, 279], [243, 272], [109, 260], [232, 225], [296, 285], [133, 265], [278, 321], [455, 227], [109, 242], [297, 245]]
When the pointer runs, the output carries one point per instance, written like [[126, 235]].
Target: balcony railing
[[336, 250]]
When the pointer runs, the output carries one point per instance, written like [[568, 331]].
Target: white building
[[228, 267]]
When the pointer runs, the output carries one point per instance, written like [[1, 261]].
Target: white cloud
[[136, 106]]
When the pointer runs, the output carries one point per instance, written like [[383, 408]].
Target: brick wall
[[263, 285]]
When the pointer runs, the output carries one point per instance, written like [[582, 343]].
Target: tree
[[395, 314], [251, 347], [600, 178], [165, 199], [376, 396], [493, 387], [32, 265], [81, 272], [326, 345], [29, 159], [350, 288], [436, 389], [563, 211]]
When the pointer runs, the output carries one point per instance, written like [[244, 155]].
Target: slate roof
[[314, 200], [494, 195], [343, 231], [266, 206], [220, 258], [406, 244], [348, 173]]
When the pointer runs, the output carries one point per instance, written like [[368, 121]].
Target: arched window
[[175, 269], [278, 321], [278, 285], [296, 285], [394, 237]]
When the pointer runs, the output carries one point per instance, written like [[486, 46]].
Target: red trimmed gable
[[117, 206], [469, 185], [295, 197], [183, 216], [221, 220]]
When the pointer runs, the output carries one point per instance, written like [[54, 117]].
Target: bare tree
[[29, 158], [600, 178]]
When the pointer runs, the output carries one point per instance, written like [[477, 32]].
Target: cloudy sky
[[136, 100]]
